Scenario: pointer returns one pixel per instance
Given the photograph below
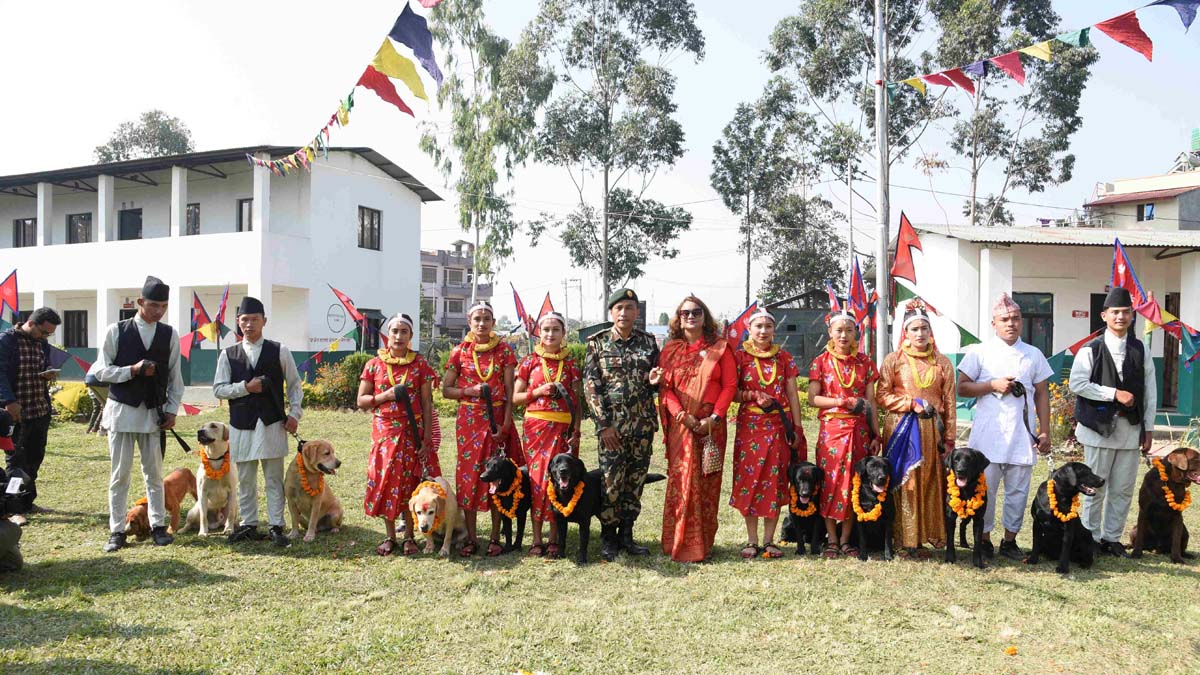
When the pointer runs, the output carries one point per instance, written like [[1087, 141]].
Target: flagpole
[[881, 184]]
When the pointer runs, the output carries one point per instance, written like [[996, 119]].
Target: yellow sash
[[549, 416]]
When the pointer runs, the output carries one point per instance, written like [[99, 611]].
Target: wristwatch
[[714, 418]]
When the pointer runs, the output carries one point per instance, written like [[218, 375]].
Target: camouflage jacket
[[615, 383]]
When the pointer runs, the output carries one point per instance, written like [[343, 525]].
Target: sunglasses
[[694, 313]]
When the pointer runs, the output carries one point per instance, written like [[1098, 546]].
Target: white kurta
[[997, 430], [140, 419], [1125, 435], [265, 441]]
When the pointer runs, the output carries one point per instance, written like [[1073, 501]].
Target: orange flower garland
[[570, 506], [968, 508], [437, 520], [802, 512], [218, 474], [515, 491], [1064, 517], [1170, 494], [304, 478], [866, 516]]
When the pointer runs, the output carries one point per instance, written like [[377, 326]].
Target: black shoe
[[246, 533], [989, 551], [278, 537], [1010, 550], [610, 547], [1114, 548], [116, 542], [161, 536], [631, 547]]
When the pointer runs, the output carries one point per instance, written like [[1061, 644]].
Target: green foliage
[[336, 384], [803, 247], [155, 134]]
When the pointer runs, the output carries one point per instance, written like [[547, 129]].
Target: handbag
[[710, 458]]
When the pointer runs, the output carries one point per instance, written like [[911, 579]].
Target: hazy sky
[[242, 73]]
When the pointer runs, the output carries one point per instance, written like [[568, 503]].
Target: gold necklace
[[922, 382], [385, 355], [491, 366], [837, 371], [749, 348], [774, 372]]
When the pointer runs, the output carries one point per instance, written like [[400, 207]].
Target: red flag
[[547, 306], [1074, 349], [906, 240], [317, 357], [960, 78], [938, 78], [1124, 276], [8, 293], [224, 301], [1011, 64], [527, 321], [189, 409], [738, 326], [348, 304], [380, 84], [84, 365], [834, 304], [857, 296], [429, 3], [199, 314], [1126, 30], [185, 345]]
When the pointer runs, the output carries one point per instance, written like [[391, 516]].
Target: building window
[[24, 232], [245, 217], [428, 275], [75, 329], [79, 228], [129, 224], [22, 317], [125, 314], [368, 228], [374, 320], [1145, 212], [454, 277], [452, 306], [193, 219], [454, 333], [1037, 312]]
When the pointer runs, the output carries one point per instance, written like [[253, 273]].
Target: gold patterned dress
[[920, 498]]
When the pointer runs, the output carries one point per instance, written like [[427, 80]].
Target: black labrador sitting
[[503, 474], [803, 523], [966, 466], [1068, 541], [567, 473], [874, 535]]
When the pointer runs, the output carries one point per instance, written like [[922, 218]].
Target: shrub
[[336, 384], [71, 402]]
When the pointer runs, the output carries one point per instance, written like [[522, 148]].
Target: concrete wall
[[1189, 211]]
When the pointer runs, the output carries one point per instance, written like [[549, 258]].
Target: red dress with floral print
[[761, 453], [544, 439], [394, 466], [474, 436], [843, 438]]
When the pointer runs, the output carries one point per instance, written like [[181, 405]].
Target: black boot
[[246, 533], [161, 536], [116, 542], [609, 546], [278, 537], [631, 547]]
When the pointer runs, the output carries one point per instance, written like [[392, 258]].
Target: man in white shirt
[[251, 376], [1004, 429], [1115, 405], [140, 363]]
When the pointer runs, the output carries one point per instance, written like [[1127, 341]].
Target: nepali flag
[[857, 297], [547, 307], [1123, 275], [906, 240], [526, 321], [738, 327], [835, 305], [8, 293], [199, 314], [342, 297]]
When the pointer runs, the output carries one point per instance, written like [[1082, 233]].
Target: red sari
[[547, 423], [699, 379], [844, 436], [394, 465], [475, 443], [761, 453]]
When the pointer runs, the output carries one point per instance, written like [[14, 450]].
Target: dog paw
[[205, 534], [1061, 569], [444, 553], [309, 536], [334, 530]]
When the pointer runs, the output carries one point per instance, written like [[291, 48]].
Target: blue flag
[[904, 448], [412, 30]]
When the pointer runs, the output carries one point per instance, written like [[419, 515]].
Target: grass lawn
[[203, 606]]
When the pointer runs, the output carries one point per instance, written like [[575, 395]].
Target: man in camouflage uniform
[[620, 377]]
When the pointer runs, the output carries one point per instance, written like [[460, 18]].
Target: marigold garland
[[1169, 493], [385, 355], [866, 516], [1075, 502], [567, 509], [749, 348], [437, 519], [966, 509], [514, 490], [215, 474], [553, 356], [304, 485], [801, 512]]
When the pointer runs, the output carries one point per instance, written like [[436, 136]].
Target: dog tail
[[653, 478]]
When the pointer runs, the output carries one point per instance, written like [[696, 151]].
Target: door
[[1097, 321], [129, 224], [1170, 375]]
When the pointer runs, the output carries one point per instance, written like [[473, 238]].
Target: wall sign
[[1079, 314], [335, 317]]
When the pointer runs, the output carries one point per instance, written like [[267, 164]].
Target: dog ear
[[1179, 459], [983, 461], [948, 458], [1068, 474], [225, 432]]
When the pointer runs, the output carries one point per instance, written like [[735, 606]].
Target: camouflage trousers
[[624, 473]]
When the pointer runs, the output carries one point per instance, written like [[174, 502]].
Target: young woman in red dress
[[551, 422], [761, 452], [841, 383], [397, 461], [481, 359], [698, 383]]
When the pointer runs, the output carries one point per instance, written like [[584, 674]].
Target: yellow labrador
[[430, 508], [321, 509], [216, 483]]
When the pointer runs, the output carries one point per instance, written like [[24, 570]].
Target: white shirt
[[264, 441], [998, 431], [124, 418], [1125, 435]]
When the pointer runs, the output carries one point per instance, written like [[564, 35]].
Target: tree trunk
[[475, 264], [604, 248]]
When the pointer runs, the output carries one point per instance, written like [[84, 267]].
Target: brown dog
[[178, 483], [437, 513], [309, 498], [1159, 527]]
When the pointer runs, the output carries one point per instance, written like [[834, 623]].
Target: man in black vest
[[140, 363], [251, 376], [1115, 405]]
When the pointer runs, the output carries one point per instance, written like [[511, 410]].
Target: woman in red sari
[[698, 383], [761, 451], [481, 359], [397, 461], [551, 422], [841, 383]]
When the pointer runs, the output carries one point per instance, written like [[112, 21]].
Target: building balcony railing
[[463, 290]]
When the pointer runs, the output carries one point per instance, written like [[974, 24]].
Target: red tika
[[545, 439], [761, 453], [843, 438], [475, 444]]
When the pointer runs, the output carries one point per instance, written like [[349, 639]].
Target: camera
[[14, 486]]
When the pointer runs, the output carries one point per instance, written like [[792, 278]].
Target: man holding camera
[[251, 376], [25, 375], [140, 363]]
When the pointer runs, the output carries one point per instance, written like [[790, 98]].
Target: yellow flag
[[915, 83], [1041, 50], [210, 331], [1167, 317], [333, 346], [390, 63]]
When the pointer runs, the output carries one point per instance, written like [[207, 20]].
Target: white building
[[446, 277], [83, 239]]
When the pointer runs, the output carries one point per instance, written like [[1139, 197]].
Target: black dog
[[1069, 541], [874, 474], [566, 473], [967, 466], [502, 473], [805, 481]]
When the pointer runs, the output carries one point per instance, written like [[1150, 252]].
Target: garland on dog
[[304, 478], [806, 511], [867, 516], [570, 506], [1064, 517], [968, 508], [218, 474], [1170, 494], [437, 519], [515, 491]]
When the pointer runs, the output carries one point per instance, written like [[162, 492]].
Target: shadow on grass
[[70, 665], [24, 627], [351, 541], [106, 574]]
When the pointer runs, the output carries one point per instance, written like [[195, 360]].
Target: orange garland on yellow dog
[[304, 478]]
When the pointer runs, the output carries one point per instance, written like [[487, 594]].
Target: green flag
[[965, 337], [1076, 38], [904, 293]]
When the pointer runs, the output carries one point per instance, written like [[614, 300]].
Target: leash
[[1018, 389], [789, 430], [485, 392], [561, 390], [400, 391]]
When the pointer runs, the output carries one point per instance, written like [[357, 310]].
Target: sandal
[[849, 550], [468, 549], [409, 546], [750, 551], [494, 549], [553, 551], [831, 551], [772, 551], [537, 550], [923, 553], [385, 547]]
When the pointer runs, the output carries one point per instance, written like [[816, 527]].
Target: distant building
[[446, 278]]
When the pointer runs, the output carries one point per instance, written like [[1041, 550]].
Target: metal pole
[[881, 186]]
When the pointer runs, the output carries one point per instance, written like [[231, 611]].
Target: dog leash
[[485, 392], [789, 430], [561, 390]]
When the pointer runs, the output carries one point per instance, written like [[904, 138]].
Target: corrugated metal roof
[[1145, 196], [1067, 236]]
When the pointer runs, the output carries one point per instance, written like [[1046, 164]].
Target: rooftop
[[1066, 236], [1144, 196]]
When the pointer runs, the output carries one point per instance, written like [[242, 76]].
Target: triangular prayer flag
[[333, 346], [199, 314], [1186, 9], [347, 303], [412, 30], [429, 3], [58, 357], [1078, 38], [904, 293], [185, 345], [8, 293], [964, 336], [83, 365], [1074, 349], [388, 62], [189, 409], [906, 240], [891, 91], [1040, 50], [1010, 63], [834, 304], [960, 78], [977, 69], [379, 83], [915, 83], [1126, 30], [938, 78], [317, 357]]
